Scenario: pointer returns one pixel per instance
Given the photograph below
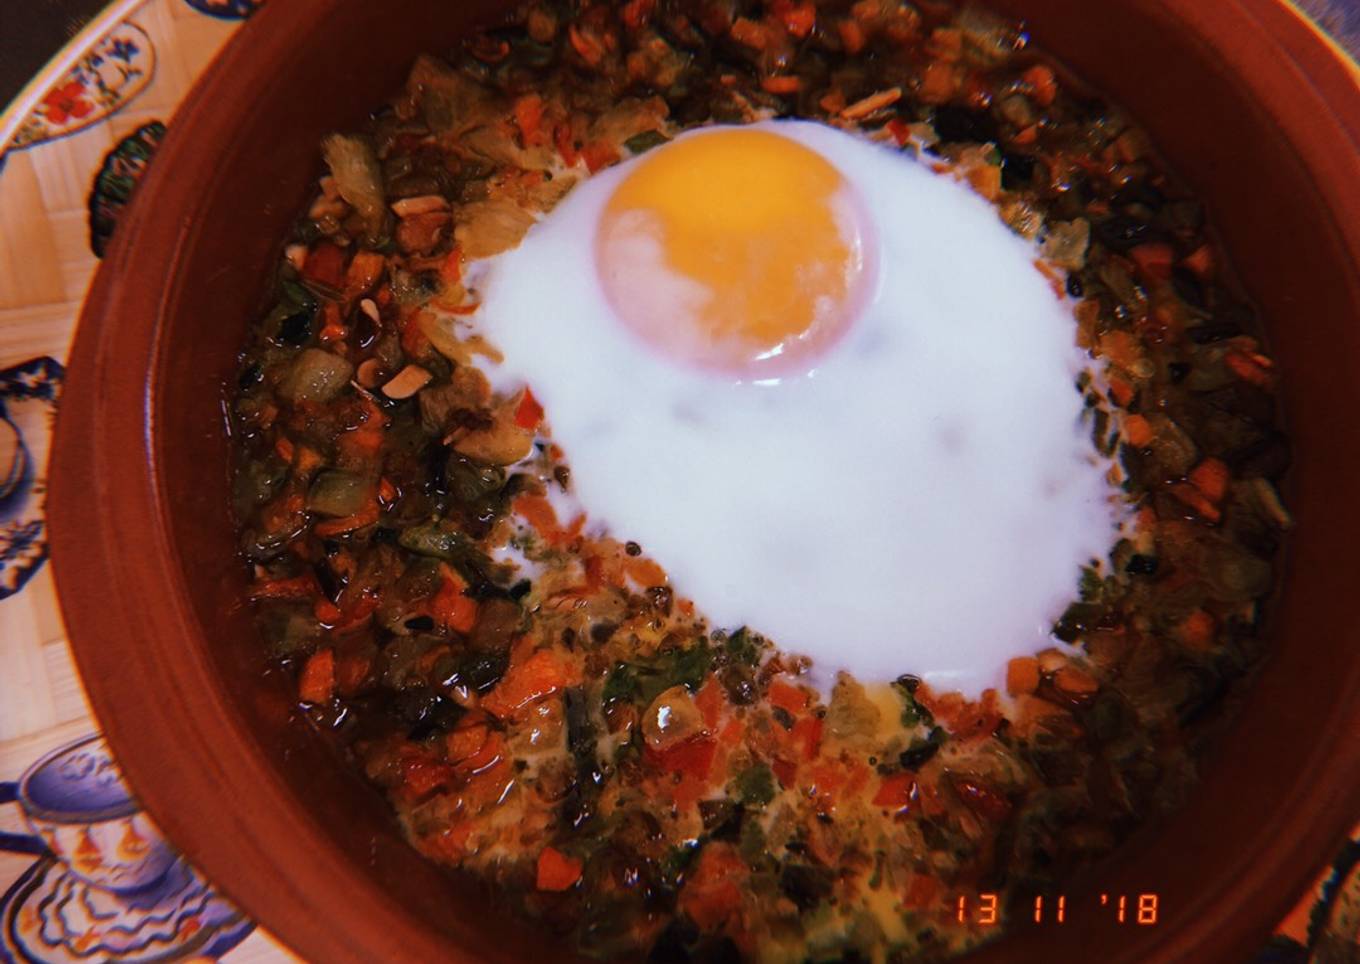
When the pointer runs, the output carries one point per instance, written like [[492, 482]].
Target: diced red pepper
[[781, 84], [788, 697], [1043, 84], [1200, 262], [807, 734], [693, 757], [896, 791], [557, 871], [529, 413], [325, 265], [599, 155], [1154, 259], [981, 799], [786, 771], [1211, 477], [317, 683], [529, 117], [450, 607], [298, 587], [798, 18], [351, 670], [364, 517], [635, 13], [540, 675], [566, 145], [852, 36], [709, 701]]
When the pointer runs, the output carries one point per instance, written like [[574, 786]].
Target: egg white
[[920, 502]]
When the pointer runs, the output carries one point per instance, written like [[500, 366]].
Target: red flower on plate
[[65, 102]]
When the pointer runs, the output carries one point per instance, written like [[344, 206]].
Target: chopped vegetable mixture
[[535, 699]]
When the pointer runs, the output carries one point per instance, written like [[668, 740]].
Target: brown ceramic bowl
[[1248, 102]]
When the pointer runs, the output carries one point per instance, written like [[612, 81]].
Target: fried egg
[[825, 387]]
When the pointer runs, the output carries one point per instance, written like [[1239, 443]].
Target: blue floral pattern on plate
[[28, 405], [226, 9]]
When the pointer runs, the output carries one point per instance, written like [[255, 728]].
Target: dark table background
[[31, 32]]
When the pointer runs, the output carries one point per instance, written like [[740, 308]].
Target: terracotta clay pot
[[1248, 102]]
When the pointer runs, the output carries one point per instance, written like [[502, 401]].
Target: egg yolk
[[735, 249]]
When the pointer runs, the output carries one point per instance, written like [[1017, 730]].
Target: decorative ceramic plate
[[73, 146]]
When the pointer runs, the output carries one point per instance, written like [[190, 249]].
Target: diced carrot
[[788, 697], [422, 775], [529, 413], [450, 607], [387, 492], [1211, 477], [1250, 368], [896, 791], [357, 613], [486, 756], [785, 770], [833, 102], [732, 733], [1120, 348], [635, 13], [986, 180], [542, 674], [852, 35], [283, 448], [645, 572], [528, 118], [693, 757], [317, 683], [1027, 136], [798, 19], [557, 871], [709, 701], [781, 84], [448, 844], [1022, 675], [325, 265], [566, 145], [946, 44], [900, 131], [1121, 391], [351, 670], [298, 587], [939, 83], [598, 155], [364, 271], [539, 513], [586, 44], [1042, 82], [414, 341], [921, 892], [326, 612], [1154, 259], [1191, 496], [1075, 682], [748, 32], [1197, 630], [981, 798], [331, 328], [364, 517], [308, 461], [712, 892], [465, 740], [1137, 431], [807, 734], [1200, 261]]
